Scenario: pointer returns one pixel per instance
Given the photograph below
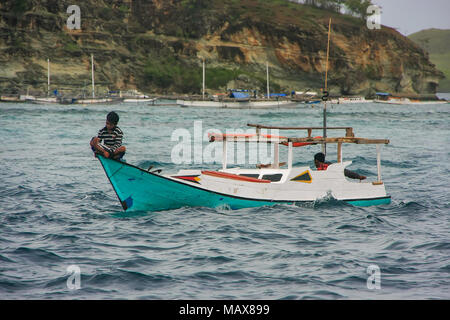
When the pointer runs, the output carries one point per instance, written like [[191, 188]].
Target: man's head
[[112, 119], [319, 158]]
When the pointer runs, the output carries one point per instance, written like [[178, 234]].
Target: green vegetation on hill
[[437, 43]]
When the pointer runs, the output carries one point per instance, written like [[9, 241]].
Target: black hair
[[113, 117], [319, 157]]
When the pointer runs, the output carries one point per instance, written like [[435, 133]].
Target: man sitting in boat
[[111, 135], [319, 161]]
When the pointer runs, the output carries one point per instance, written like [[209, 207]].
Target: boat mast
[[48, 77], [92, 70], [267, 71], [325, 96], [203, 91]]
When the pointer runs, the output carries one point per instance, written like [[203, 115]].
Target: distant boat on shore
[[139, 100], [45, 100], [386, 98], [10, 98], [236, 104], [407, 101], [349, 100], [97, 100]]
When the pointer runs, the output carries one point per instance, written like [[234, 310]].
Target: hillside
[[437, 43], [157, 46]]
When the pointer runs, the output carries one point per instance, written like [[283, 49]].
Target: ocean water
[[63, 234]]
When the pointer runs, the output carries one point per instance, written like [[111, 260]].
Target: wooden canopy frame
[[277, 140]]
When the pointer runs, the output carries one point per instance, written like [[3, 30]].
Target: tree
[[358, 7]]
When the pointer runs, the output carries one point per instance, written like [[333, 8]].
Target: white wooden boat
[[6, 98], [407, 101], [97, 100], [233, 104], [138, 100], [236, 188], [47, 100], [230, 103], [350, 100]]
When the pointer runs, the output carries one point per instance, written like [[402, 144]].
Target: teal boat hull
[[141, 190], [138, 189]]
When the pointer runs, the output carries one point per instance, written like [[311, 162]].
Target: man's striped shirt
[[111, 140]]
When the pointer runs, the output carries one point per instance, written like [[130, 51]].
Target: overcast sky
[[409, 16]]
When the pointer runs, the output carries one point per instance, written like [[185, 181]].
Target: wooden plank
[[341, 140], [339, 152], [312, 140], [297, 128], [264, 138], [260, 139]]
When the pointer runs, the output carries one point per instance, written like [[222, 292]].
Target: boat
[[407, 101], [312, 102], [350, 100], [43, 100], [97, 100], [236, 188], [270, 184], [387, 98], [48, 99], [94, 99], [139, 100], [238, 102], [10, 98], [134, 96]]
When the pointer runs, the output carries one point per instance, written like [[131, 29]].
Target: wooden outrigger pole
[[325, 93], [290, 142]]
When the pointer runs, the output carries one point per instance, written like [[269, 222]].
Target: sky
[[410, 16]]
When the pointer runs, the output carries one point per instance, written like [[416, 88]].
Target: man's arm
[[353, 175], [100, 135], [117, 140]]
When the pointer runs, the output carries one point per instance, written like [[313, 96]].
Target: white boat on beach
[[138, 100], [43, 100], [240, 102], [407, 101], [233, 104], [96, 100], [350, 100]]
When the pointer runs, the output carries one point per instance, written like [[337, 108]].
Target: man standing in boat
[[319, 161], [111, 136]]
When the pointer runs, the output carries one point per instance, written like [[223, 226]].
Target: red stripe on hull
[[233, 176]]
